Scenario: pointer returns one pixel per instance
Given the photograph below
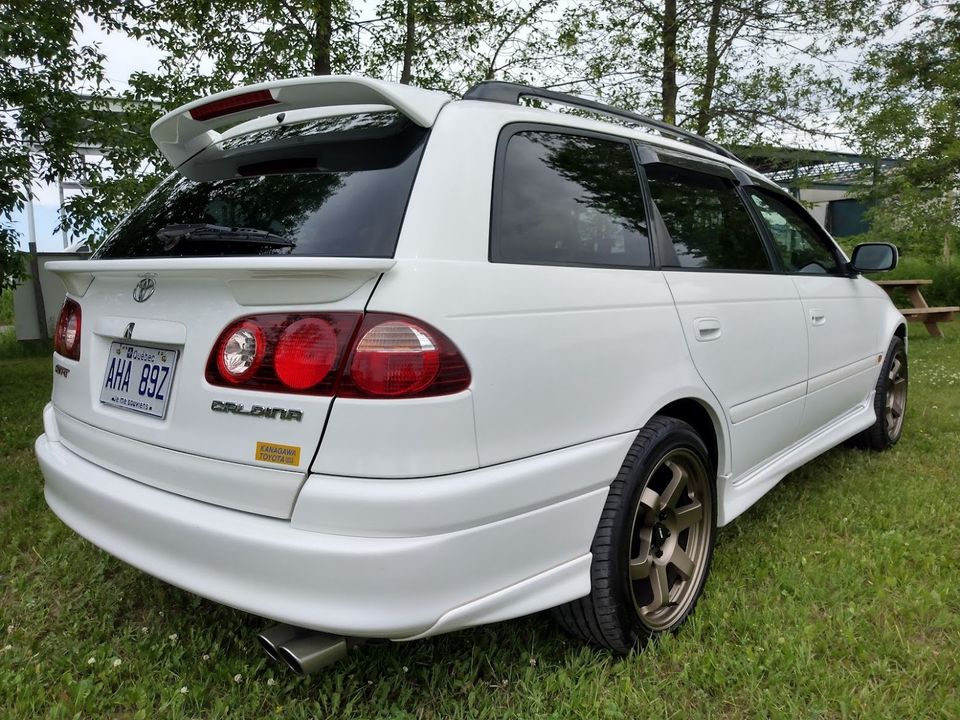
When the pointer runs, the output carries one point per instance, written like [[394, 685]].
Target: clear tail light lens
[[66, 341], [240, 351]]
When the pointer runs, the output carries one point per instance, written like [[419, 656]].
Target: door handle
[[707, 329], [817, 317]]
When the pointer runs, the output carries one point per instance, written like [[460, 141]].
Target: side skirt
[[735, 495]]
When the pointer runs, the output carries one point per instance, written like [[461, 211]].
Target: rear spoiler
[[182, 133], [260, 280]]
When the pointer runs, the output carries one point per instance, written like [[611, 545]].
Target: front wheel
[[889, 402], [654, 542]]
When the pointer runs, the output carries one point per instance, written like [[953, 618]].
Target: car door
[[743, 322], [840, 312]]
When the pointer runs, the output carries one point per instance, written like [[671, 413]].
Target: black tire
[[889, 402], [649, 491]]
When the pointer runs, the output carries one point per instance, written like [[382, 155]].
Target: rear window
[[335, 187]]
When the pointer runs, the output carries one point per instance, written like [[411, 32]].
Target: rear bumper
[[391, 587]]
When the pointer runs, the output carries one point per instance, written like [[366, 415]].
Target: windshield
[[338, 193]]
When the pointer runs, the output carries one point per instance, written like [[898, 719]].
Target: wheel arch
[[706, 421]]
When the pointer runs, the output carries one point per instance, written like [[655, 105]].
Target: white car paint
[[413, 517]]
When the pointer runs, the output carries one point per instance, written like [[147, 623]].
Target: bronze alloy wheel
[[896, 400], [670, 539], [652, 548]]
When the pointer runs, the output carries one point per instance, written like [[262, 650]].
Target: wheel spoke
[[689, 515], [671, 495], [650, 498], [894, 369], [640, 568], [683, 563], [660, 588]]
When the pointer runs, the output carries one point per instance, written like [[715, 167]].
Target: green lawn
[[836, 596]]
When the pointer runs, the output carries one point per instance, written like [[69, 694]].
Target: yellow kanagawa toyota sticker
[[279, 454]]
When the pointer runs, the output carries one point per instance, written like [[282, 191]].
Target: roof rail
[[510, 93], [182, 133]]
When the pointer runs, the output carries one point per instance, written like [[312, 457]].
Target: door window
[[708, 223], [569, 200], [802, 249]]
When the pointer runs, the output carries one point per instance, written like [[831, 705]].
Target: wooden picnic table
[[920, 312]]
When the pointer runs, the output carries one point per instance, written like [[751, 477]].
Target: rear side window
[[801, 247], [569, 200], [337, 187], [709, 225]]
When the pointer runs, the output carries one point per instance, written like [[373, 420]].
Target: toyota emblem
[[144, 289]]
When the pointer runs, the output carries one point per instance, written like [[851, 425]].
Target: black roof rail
[[510, 93]]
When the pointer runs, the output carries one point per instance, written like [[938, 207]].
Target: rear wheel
[[652, 549], [890, 400]]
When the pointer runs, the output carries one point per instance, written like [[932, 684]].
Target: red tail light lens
[[305, 353], [389, 356], [66, 341], [398, 357], [283, 352], [395, 358], [235, 103]]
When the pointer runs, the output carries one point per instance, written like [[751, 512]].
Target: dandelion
[[116, 662], [206, 657], [406, 669], [183, 690], [237, 678], [91, 661]]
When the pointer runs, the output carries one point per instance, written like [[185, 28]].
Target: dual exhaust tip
[[303, 651]]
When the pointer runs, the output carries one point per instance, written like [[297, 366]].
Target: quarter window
[[569, 200], [708, 224], [800, 246]]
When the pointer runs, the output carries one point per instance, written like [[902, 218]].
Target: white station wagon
[[376, 363]]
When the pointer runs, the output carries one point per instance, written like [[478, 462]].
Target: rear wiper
[[172, 234]]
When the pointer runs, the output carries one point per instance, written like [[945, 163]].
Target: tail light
[[346, 354], [66, 341]]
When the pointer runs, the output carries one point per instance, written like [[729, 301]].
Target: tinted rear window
[[336, 187], [568, 199], [709, 225]]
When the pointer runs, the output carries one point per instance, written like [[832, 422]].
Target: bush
[[945, 289]]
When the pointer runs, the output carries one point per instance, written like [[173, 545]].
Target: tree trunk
[[408, 46], [710, 73], [669, 80], [322, 31]]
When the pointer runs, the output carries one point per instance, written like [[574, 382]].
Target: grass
[[836, 596]]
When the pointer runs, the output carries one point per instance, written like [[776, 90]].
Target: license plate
[[139, 378]]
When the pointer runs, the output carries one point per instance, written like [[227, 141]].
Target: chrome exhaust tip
[[272, 638], [310, 652]]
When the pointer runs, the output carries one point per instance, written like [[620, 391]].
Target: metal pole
[[38, 291], [63, 228]]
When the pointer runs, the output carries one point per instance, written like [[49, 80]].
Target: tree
[[739, 70], [42, 72], [909, 107]]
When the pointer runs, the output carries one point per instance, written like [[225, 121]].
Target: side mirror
[[873, 257]]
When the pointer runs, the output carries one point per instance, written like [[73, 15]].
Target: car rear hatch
[[295, 218]]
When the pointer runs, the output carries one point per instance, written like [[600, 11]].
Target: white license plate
[[139, 378]]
